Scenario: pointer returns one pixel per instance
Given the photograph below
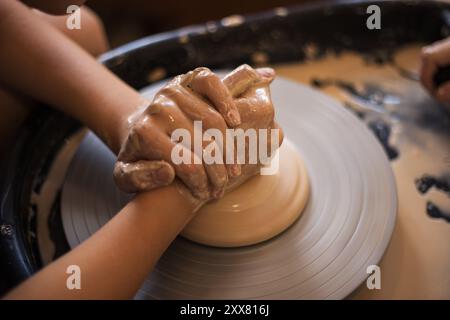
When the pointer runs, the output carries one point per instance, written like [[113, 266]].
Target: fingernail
[[218, 193], [234, 118], [203, 195], [266, 72]]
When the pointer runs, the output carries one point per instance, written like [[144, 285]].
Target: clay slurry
[[370, 96], [424, 184]]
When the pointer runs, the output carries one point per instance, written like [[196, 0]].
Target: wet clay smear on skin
[[413, 129]]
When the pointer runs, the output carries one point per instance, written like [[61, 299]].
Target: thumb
[[142, 175]]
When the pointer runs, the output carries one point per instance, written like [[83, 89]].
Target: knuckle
[[177, 80], [138, 136], [191, 170], [157, 104], [138, 129], [249, 71], [205, 76], [222, 176], [203, 71], [172, 89], [246, 67], [217, 121], [118, 170], [169, 90]]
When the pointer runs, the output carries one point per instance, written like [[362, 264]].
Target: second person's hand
[[435, 56]]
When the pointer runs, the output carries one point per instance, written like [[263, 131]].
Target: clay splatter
[[382, 131], [434, 212], [424, 184]]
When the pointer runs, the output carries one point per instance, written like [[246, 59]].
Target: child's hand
[[144, 161]]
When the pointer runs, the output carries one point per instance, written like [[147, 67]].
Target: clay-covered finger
[[240, 79], [142, 175], [210, 152], [215, 168], [276, 132], [209, 85], [191, 172], [188, 168], [149, 141], [193, 106], [443, 92]]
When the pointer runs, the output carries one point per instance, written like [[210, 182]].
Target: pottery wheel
[[345, 227]]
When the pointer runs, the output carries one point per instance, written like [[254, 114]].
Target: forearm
[[115, 260], [39, 61], [53, 6]]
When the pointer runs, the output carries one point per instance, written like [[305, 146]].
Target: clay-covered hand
[[240, 100], [435, 56], [250, 89], [144, 161]]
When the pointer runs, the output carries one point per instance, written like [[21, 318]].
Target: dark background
[[132, 19]]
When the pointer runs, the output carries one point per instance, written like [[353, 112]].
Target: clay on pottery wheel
[[256, 211]]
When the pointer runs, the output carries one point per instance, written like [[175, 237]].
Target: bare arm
[[39, 61], [53, 6], [115, 260]]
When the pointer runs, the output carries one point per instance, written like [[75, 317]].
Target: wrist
[[174, 202], [125, 119], [122, 113]]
